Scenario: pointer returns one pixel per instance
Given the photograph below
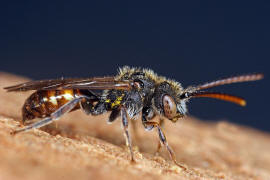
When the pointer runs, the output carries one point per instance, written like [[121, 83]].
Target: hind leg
[[53, 117]]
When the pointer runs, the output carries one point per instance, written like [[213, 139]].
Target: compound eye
[[169, 107]]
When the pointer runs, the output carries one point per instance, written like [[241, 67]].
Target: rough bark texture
[[86, 147]]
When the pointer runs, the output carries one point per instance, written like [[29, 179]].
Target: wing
[[72, 83]]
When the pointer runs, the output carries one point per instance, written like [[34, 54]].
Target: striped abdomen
[[43, 103]]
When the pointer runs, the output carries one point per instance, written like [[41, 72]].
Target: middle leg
[[126, 133]]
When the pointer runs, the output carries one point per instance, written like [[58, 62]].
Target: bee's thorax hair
[[128, 71]]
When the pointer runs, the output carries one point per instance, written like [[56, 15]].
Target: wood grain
[[86, 147]]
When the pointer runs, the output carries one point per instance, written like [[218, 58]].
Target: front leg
[[125, 126], [164, 142], [147, 114], [161, 124]]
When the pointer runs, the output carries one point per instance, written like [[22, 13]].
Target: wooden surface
[[86, 147]]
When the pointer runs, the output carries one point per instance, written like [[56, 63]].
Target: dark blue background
[[190, 41]]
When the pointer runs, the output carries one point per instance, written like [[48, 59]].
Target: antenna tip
[[260, 76], [242, 103]]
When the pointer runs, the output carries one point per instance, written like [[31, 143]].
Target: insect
[[133, 91]]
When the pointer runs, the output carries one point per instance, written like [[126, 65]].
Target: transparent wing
[[72, 83]]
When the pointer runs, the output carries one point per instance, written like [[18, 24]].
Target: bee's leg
[[98, 109], [114, 115], [164, 142], [87, 104], [161, 124], [134, 131], [125, 126], [147, 114], [54, 116]]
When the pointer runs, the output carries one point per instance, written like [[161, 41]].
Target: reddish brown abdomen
[[43, 103]]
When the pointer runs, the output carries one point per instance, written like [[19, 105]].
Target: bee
[[132, 92]]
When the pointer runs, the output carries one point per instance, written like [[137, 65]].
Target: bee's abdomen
[[43, 103]]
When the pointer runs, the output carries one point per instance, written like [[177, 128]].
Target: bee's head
[[170, 98], [168, 103]]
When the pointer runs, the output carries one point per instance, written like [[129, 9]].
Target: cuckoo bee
[[131, 92]]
